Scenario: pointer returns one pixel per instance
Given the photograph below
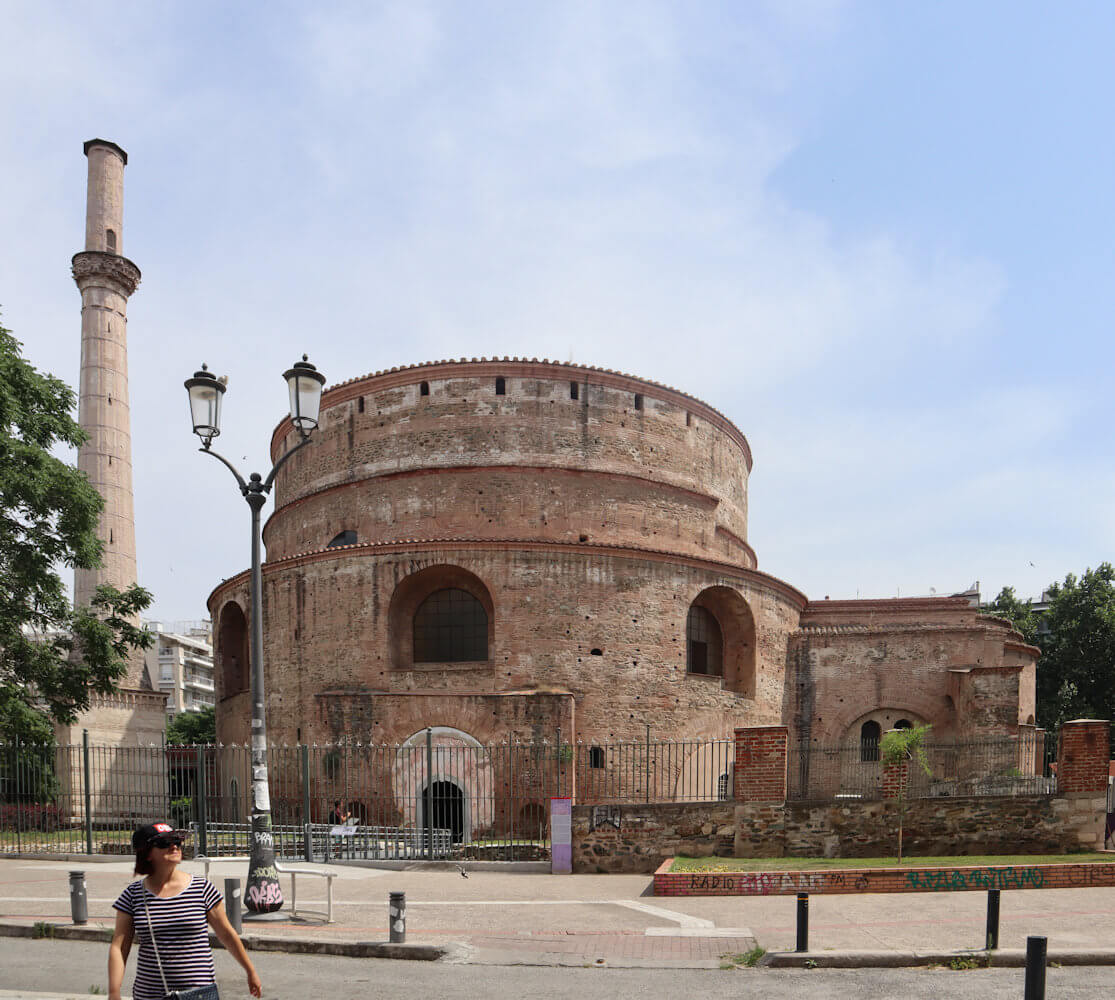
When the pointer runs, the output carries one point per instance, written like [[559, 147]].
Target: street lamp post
[[262, 894]]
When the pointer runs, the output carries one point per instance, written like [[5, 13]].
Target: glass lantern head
[[205, 391], [305, 383]]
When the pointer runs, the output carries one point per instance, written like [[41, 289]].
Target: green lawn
[[820, 864]]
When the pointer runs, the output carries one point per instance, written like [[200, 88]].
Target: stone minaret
[[106, 280]]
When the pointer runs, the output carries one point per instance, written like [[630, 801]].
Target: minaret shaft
[[106, 280]]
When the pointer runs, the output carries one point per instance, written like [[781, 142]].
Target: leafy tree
[[900, 746], [193, 727], [1076, 673], [48, 518], [1018, 612], [1076, 636]]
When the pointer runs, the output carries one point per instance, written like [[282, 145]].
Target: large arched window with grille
[[450, 626], [704, 643]]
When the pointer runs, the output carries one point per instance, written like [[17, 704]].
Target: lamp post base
[[249, 917]]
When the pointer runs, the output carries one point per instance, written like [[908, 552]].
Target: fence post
[[803, 922], [16, 771], [202, 796], [88, 791], [429, 807], [307, 834]]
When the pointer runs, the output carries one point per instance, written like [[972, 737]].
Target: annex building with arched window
[[513, 549]]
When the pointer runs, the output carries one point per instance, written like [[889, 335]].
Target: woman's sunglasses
[[165, 843]]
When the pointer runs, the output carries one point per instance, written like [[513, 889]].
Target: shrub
[[31, 816]]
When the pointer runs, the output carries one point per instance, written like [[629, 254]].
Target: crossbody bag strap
[[151, 928]]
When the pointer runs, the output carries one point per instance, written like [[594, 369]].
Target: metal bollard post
[[232, 904], [992, 942], [79, 902], [1035, 968], [803, 921], [397, 917]]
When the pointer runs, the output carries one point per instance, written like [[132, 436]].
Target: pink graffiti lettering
[[267, 894]]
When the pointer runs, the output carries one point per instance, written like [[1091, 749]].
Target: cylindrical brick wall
[[585, 510], [437, 451]]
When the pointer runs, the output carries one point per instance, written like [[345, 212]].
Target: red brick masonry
[[854, 880]]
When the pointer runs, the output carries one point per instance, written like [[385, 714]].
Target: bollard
[[79, 902], [232, 904], [397, 917], [1035, 968], [803, 921], [992, 941]]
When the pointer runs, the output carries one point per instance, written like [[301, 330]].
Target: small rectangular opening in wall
[[638, 401], [424, 389], [360, 405], [688, 419], [574, 391], [501, 386]]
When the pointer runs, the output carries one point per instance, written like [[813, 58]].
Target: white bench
[[293, 873]]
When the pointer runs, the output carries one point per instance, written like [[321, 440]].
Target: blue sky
[[878, 236]]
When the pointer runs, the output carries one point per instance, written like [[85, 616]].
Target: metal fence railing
[[491, 802], [1015, 765]]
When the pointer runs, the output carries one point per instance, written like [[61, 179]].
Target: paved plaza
[[500, 918]]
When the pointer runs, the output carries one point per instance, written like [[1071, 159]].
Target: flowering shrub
[[30, 816]]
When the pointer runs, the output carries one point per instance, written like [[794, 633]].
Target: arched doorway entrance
[[446, 802]]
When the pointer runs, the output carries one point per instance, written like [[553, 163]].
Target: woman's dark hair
[[143, 861]]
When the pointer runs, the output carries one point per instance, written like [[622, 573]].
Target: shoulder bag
[[197, 992]]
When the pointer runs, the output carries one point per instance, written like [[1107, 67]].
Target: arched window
[[346, 537], [903, 724], [501, 386], [423, 388], [869, 735], [574, 391], [110, 240], [450, 626], [596, 757], [704, 643]]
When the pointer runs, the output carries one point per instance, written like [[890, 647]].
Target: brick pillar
[[1082, 756], [895, 777], [761, 753]]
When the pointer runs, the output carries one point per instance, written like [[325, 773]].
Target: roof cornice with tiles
[[392, 378], [786, 590]]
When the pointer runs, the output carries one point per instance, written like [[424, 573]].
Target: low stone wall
[[638, 838], [940, 826]]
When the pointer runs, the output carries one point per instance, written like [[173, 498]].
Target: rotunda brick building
[[510, 549], [525, 550]]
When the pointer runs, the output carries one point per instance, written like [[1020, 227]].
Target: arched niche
[[737, 633], [413, 593], [233, 655]]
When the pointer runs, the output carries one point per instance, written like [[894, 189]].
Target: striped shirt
[[181, 933]]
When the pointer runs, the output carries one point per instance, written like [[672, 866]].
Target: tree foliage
[[48, 518], [193, 727], [899, 746], [1076, 636]]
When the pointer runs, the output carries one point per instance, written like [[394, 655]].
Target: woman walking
[[170, 913]]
